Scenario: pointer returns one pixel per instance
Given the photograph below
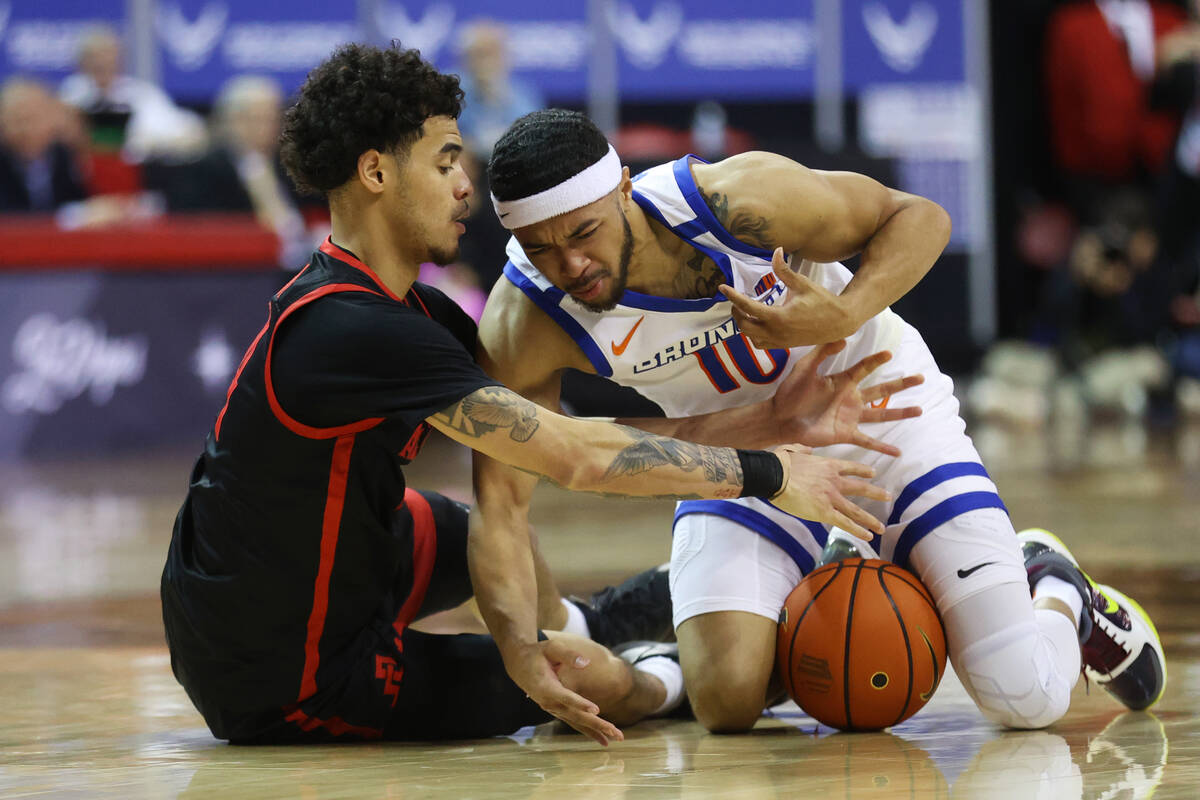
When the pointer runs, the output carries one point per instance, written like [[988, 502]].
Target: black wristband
[[762, 474]]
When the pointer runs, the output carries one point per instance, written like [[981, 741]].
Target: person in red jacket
[[1100, 61]]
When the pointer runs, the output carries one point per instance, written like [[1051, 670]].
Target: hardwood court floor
[[91, 709]]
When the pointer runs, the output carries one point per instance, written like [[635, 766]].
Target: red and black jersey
[[284, 549]]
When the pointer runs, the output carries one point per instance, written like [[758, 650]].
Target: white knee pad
[[1019, 665], [1021, 676]]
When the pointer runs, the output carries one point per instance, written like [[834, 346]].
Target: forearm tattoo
[[720, 464], [755, 230], [493, 408], [490, 409]]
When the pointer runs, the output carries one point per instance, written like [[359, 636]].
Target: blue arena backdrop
[[667, 49], [904, 60]]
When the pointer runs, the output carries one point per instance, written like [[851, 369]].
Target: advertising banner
[[902, 41], [110, 362], [202, 43]]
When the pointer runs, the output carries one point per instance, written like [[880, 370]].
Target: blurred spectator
[[240, 171], [494, 100], [126, 113], [1178, 86], [1104, 301], [1112, 302], [1100, 62], [38, 172]]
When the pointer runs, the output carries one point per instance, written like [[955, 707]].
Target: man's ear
[[373, 171], [626, 183]]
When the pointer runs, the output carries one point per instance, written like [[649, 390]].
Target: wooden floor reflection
[[92, 710]]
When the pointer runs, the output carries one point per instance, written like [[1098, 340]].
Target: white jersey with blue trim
[[688, 355]]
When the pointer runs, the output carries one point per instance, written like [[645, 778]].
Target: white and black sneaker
[[1119, 645], [637, 610]]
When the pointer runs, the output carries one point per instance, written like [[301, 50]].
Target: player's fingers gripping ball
[[860, 644]]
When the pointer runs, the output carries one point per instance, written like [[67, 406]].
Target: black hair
[[361, 98], [542, 150]]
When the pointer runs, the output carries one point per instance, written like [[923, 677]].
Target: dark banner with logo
[[103, 362]]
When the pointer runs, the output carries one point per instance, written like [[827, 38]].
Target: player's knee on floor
[[727, 660], [719, 712], [1017, 678], [727, 703]]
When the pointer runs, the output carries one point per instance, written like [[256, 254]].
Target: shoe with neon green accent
[[1119, 646]]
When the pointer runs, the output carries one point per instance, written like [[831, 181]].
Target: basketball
[[860, 645]]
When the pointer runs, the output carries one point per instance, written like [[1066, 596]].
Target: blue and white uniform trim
[[760, 524], [914, 530], [941, 512]]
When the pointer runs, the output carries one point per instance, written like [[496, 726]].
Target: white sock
[[669, 672], [576, 621], [1059, 589]]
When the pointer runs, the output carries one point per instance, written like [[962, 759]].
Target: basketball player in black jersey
[[300, 557]]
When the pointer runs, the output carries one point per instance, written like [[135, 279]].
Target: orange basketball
[[861, 646]]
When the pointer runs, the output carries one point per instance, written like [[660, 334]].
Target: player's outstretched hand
[[819, 410], [537, 669], [808, 314], [819, 489]]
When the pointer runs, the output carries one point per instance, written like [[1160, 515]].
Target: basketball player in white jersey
[[630, 279]]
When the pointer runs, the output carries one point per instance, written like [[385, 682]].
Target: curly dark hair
[[361, 98], [543, 149]]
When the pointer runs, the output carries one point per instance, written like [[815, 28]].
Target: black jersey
[[284, 548]]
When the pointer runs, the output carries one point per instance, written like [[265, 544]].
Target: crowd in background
[[1105, 236], [108, 147], [1107, 231]]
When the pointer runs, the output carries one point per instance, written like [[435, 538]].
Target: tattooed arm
[[772, 202], [588, 455]]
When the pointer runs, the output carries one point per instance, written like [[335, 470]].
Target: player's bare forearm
[[585, 455], [500, 557], [897, 257]]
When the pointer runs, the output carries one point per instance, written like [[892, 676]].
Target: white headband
[[575, 192]]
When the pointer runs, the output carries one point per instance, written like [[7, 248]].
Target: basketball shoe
[[1119, 646], [638, 609]]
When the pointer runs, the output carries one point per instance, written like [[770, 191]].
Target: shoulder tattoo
[[750, 228]]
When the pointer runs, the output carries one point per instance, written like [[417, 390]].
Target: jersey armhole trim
[[691, 193], [292, 424]]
